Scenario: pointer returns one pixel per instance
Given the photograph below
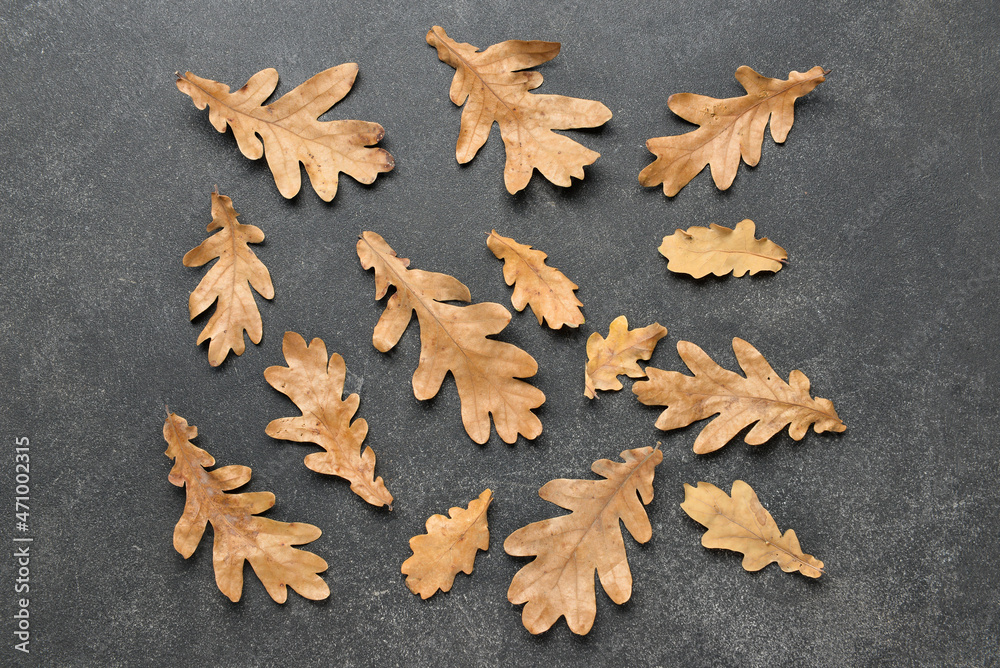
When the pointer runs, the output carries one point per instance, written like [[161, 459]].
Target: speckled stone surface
[[885, 196]]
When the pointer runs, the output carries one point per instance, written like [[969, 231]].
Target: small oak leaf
[[448, 548], [739, 523], [618, 354], [719, 250], [546, 289], [317, 387], [227, 284]]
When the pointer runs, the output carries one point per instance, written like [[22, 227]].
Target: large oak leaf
[[289, 130], [492, 89], [455, 339], [239, 535], [316, 387], [761, 397], [570, 548], [730, 129]]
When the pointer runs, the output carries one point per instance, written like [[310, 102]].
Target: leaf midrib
[[733, 252], [750, 397], [744, 380]]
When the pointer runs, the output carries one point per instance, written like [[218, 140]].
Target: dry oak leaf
[[493, 90], [239, 534], [453, 338], [730, 129], [317, 387], [618, 354], [449, 547], [741, 524], [545, 288], [569, 548], [290, 131], [228, 282], [719, 250], [761, 397]]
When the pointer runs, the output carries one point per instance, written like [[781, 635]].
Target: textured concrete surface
[[885, 196]]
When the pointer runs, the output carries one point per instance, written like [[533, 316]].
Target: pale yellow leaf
[[718, 250], [739, 523]]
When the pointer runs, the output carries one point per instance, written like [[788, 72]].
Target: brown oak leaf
[[762, 397], [289, 130], [719, 250], [227, 284], [453, 338], [449, 547], [569, 548], [546, 289], [239, 535], [730, 129], [618, 354], [317, 387], [493, 89], [739, 523]]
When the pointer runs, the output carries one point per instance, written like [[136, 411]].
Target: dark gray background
[[885, 196]]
